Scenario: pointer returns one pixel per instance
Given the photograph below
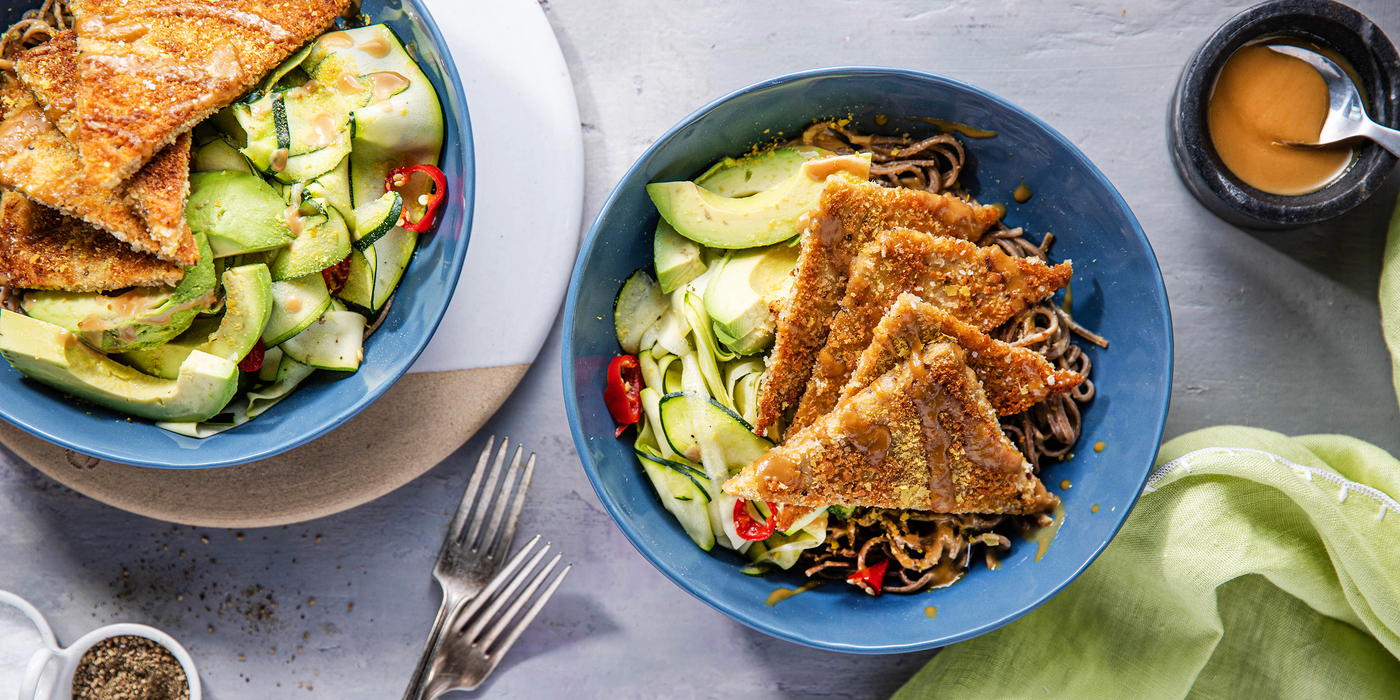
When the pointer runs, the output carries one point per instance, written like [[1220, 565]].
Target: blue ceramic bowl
[[323, 402], [1118, 292]]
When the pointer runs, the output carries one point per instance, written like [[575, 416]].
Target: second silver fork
[[474, 549]]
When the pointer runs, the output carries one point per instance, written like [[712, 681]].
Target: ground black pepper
[[129, 668]]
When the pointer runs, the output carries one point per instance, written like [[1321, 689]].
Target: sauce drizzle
[[783, 594]]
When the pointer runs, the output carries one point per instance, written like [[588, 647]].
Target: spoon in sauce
[[1346, 116]]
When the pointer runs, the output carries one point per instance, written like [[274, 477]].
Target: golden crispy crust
[[982, 286], [922, 436], [40, 162], [43, 249], [152, 69], [158, 190], [50, 71], [1014, 378], [850, 212]]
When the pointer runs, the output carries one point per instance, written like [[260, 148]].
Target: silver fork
[[478, 638], [472, 552]]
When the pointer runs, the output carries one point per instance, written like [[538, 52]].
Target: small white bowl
[[59, 685]]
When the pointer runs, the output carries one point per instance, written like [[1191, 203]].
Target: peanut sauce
[[946, 126], [776, 467], [1261, 100], [324, 132], [385, 85], [1045, 536], [783, 594], [1022, 193]]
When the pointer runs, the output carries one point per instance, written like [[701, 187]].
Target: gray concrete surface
[[1278, 331]]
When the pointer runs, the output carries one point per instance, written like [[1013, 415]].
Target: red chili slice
[[871, 578], [750, 529], [337, 275], [254, 361], [399, 177], [624, 393]]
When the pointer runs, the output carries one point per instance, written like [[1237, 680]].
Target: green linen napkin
[[1256, 566]]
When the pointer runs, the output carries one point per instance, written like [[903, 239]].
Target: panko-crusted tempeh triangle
[[851, 212], [149, 70], [922, 436], [50, 71], [38, 161], [159, 189], [982, 286], [1013, 378], [43, 249], [158, 192]]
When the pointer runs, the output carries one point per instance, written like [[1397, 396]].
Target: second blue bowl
[[1118, 292]]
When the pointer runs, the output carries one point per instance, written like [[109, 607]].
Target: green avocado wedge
[[742, 177], [164, 360], [141, 318], [51, 355], [678, 259], [238, 212], [749, 222], [247, 308], [740, 297]]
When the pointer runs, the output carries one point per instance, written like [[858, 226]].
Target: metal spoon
[[1346, 116]]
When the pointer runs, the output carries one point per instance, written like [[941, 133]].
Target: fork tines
[[481, 538], [483, 632]]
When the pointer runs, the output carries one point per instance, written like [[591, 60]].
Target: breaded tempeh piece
[[982, 286], [1014, 378], [50, 71], [159, 189], [43, 249], [850, 212], [151, 69], [922, 436], [38, 161], [158, 192]]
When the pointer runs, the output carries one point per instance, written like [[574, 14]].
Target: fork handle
[[415, 684]]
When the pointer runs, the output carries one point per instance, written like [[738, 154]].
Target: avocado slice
[[237, 211], [51, 355], [141, 318], [678, 259], [164, 360], [742, 177], [741, 295], [248, 306], [219, 154], [750, 222]]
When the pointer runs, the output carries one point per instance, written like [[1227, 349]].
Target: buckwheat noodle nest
[[928, 550], [35, 27]]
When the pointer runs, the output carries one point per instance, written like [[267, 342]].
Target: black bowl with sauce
[[1321, 22]]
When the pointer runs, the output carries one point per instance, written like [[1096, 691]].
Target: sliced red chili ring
[[398, 177]]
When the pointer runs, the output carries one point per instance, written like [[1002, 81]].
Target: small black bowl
[[1324, 22]]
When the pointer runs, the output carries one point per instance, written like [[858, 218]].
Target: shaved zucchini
[[638, 306], [335, 341], [296, 304], [684, 415], [323, 242], [683, 497], [374, 220], [289, 375]]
